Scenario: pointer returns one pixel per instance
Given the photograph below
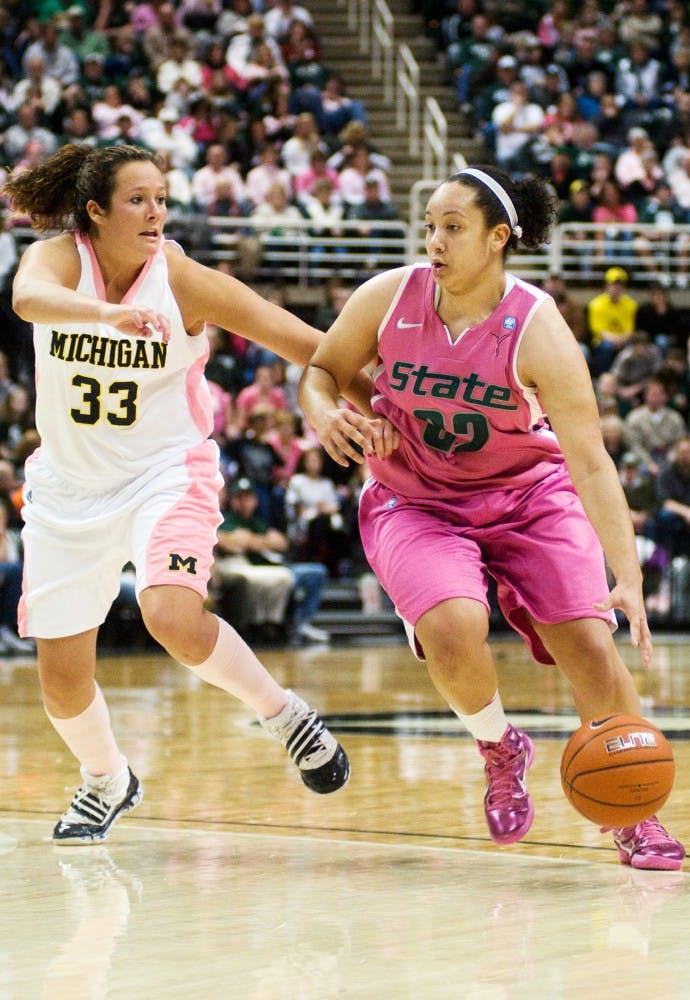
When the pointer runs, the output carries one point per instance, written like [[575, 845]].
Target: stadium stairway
[[340, 51], [342, 615]]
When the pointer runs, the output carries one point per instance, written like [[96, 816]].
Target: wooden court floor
[[232, 880]]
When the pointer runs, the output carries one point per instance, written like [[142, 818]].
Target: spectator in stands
[[636, 22], [315, 523], [369, 213], [555, 25], [635, 175], [679, 179], [652, 428], [324, 208], [675, 372], [668, 325], [157, 40], [180, 65], [278, 120], [355, 176], [260, 555], [664, 251], [585, 59], [265, 174], [502, 74], [263, 395], [633, 366], [469, 59], [233, 19], [81, 39], [165, 134], [78, 126], [639, 80], [301, 53], [590, 99], [93, 77], [297, 150], [26, 129], [334, 109], [353, 137], [617, 213], [279, 235], [37, 88], [200, 16], [243, 44], [318, 170], [59, 61], [517, 122], [11, 569], [216, 168], [611, 319], [249, 548], [107, 111], [281, 15], [673, 498]]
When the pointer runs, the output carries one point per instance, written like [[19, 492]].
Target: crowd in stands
[[250, 121]]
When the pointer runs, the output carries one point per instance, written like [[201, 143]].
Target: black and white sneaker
[[95, 807], [322, 762]]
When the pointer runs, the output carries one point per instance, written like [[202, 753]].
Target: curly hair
[[56, 192], [534, 200]]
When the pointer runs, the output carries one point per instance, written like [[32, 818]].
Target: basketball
[[617, 771]]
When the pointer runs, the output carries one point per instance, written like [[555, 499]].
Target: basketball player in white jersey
[[126, 470], [471, 360]]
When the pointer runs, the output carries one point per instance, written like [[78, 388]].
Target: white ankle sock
[[489, 723], [233, 667], [90, 737]]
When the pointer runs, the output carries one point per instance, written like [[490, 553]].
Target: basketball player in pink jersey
[[126, 470], [470, 361]]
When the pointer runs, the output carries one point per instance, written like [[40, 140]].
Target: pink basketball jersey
[[465, 418]]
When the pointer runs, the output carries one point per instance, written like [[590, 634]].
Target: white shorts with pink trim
[[75, 545]]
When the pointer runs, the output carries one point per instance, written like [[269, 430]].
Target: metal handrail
[[407, 104], [435, 140], [382, 47]]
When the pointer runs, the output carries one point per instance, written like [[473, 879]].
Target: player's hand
[[629, 600], [348, 436], [137, 321]]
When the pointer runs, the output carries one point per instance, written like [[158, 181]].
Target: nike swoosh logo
[[402, 325], [598, 723]]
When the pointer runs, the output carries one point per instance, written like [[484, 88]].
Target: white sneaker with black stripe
[[95, 807], [322, 762]]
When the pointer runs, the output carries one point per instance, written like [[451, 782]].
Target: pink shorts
[[537, 544], [75, 545]]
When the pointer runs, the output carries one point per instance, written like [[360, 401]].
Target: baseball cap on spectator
[[372, 179], [630, 458], [507, 62], [168, 115], [553, 69], [615, 274], [76, 10], [94, 57], [578, 185], [637, 133]]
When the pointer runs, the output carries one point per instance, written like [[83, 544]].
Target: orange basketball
[[617, 771]]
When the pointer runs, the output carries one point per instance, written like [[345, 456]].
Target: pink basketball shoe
[[647, 845], [507, 803]]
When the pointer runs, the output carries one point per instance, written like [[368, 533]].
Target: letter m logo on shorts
[[178, 563]]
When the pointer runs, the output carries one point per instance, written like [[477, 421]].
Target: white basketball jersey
[[112, 407]]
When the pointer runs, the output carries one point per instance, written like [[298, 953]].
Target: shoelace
[[502, 776], [86, 804], [651, 825], [304, 744]]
